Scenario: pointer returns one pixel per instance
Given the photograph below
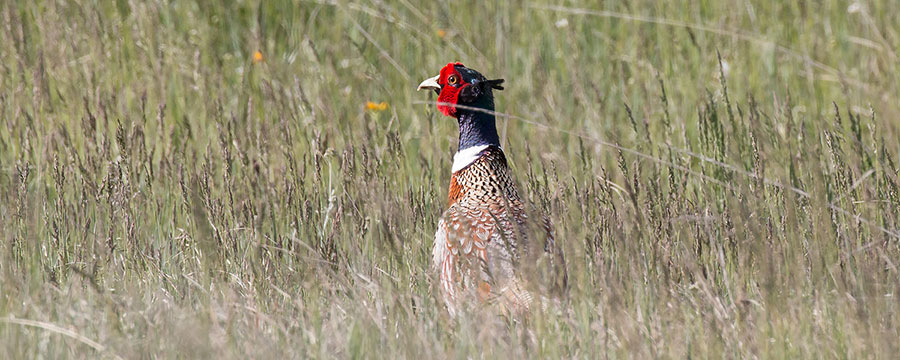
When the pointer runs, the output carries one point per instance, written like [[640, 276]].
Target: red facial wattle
[[450, 93]]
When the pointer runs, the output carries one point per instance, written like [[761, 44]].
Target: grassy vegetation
[[723, 176]]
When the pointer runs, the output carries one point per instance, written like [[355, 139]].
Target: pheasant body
[[477, 238]]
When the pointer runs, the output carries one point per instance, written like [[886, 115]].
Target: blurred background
[[260, 178]]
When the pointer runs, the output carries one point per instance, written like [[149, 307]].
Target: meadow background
[[723, 176]]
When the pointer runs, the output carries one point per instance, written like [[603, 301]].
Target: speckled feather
[[482, 235]]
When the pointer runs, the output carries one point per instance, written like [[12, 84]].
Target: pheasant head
[[466, 95]]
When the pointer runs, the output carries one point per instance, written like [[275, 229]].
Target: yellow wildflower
[[257, 57], [441, 33], [373, 106]]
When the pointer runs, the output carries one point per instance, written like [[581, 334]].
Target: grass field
[[723, 176]]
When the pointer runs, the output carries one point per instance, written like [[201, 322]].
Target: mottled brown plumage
[[483, 235]]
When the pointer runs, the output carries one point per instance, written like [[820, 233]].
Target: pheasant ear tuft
[[495, 84]]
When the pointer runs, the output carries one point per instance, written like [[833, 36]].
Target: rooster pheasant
[[482, 239]]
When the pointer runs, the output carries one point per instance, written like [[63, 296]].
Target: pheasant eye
[[453, 80]]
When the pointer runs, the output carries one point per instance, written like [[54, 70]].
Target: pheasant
[[482, 239]]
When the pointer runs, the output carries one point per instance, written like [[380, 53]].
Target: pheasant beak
[[430, 83]]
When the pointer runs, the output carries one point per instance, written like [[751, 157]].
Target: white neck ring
[[466, 156]]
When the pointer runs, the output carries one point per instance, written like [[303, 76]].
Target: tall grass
[[723, 176]]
